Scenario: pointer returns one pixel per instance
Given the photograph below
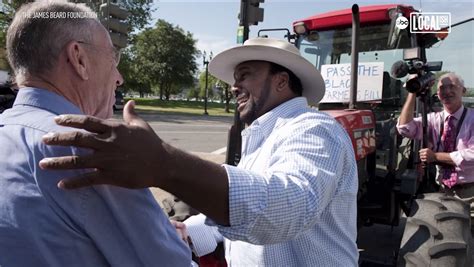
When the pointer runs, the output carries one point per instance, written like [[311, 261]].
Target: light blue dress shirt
[[41, 225], [293, 196]]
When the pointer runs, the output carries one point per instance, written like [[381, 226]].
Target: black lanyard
[[458, 128]]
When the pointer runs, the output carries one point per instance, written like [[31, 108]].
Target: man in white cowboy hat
[[291, 201]]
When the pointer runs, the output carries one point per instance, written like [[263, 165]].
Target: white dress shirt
[[293, 195]]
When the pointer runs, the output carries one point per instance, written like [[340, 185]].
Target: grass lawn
[[181, 107]]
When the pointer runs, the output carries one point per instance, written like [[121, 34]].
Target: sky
[[214, 24]]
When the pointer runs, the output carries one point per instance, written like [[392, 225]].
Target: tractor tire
[[437, 233]]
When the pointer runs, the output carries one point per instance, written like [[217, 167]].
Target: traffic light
[[254, 12], [112, 17], [250, 12]]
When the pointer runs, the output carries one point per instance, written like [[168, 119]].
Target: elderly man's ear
[[77, 57]]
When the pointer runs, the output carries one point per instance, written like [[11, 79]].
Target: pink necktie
[[450, 176]]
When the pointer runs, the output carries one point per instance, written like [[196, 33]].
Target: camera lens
[[420, 84]]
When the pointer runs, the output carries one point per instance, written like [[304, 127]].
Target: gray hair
[[452, 75], [40, 30]]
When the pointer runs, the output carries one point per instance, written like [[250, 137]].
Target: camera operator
[[450, 136]]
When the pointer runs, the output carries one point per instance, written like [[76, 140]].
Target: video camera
[[415, 65]]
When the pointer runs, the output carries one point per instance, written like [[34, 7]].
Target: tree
[[7, 12], [140, 14], [211, 82], [133, 79], [193, 93], [470, 92], [226, 94], [166, 56]]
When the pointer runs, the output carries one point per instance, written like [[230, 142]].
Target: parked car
[[7, 96], [119, 101]]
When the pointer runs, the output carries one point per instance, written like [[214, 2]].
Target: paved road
[[192, 133], [378, 244]]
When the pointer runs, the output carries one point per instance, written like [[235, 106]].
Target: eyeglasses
[[116, 52]]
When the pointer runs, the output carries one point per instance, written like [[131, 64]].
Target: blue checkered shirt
[[41, 225], [293, 196]]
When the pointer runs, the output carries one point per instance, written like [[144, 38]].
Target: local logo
[[430, 22], [401, 23]]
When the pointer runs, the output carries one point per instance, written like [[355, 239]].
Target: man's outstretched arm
[[130, 154]]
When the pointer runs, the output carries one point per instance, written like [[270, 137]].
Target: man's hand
[[130, 154], [117, 157], [182, 231], [427, 155]]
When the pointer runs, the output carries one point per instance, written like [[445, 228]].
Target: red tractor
[[391, 181]]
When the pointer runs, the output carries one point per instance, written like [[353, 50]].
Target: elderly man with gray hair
[[67, 64]]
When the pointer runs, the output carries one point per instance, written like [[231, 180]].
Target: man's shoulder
[[312, 118], [28, 124], [470, 111], [32, 117], [309, 121]]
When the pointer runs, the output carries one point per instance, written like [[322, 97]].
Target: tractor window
[[334, 47]]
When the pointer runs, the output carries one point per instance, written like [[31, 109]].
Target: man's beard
[[255, 108]]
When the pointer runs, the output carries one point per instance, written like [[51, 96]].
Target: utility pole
[[205, 61]]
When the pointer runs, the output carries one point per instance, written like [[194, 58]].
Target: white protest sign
[[337, 78]]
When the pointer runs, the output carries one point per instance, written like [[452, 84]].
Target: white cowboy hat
[[272, 50]]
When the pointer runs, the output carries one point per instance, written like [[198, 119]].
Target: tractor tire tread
[[437, 233]]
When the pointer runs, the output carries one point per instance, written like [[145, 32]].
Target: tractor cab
[[361, 53], [382, 156], [325, 40]]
